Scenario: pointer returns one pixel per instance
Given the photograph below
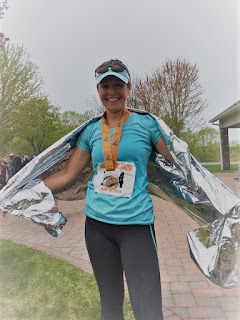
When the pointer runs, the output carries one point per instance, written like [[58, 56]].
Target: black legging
[[114, 248]]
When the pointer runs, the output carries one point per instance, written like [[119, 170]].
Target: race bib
[[117, 183]]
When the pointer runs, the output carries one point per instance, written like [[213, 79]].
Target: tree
[[36, 123], [204, 144], [19, 80], [209, 143], [94, 106], [234, 151], [3, 7], [174, 93], [72, 119]]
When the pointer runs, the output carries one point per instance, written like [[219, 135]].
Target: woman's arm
[[163, 150], [75, 165]]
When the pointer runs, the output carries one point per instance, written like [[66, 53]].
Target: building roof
[[230, 117]]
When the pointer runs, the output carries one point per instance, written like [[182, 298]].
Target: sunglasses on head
[[115, 67]]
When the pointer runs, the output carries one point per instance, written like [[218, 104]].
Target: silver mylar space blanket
[[204, 197]]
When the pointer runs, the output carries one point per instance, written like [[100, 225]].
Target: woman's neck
[[113, 118]]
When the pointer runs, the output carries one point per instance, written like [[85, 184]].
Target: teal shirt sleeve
[[83, 140], [154, 128]]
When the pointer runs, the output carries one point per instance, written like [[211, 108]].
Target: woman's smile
[[112, 99]]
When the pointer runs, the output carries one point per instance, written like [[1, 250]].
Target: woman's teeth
[[113, 99]]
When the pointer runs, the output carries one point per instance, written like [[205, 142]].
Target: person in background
[[17, 163], [3, 172], [25, 160], [10, 165], [119, 210]]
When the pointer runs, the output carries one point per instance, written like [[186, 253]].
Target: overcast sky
[[67, 40]]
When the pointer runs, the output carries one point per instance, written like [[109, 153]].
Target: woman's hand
[[3, 213], [163, 150]]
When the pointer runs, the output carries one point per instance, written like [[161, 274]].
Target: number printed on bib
[[117, 183]]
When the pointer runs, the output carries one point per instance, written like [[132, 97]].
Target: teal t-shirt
[[139, 135]]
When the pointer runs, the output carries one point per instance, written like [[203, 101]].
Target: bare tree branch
[[3, 7], [174, 93]]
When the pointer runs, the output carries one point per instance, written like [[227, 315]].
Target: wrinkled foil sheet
[[26, 196], [194, 189], [208, 201]]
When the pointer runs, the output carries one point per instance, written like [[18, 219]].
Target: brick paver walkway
[[187, 293]]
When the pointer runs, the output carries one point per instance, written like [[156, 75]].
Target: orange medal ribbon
[[110, 148]]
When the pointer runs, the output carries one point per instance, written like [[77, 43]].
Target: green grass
[[216, 168], [34, 285]]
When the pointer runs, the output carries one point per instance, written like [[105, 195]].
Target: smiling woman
[[120, 219]]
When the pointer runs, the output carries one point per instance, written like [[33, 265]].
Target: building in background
[[230, 118]]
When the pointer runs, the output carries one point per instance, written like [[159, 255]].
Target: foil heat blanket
[[194, 189]]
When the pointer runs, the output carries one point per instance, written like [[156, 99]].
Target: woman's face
[[113, 93]]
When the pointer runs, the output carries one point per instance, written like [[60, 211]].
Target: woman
[[119, 210]]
